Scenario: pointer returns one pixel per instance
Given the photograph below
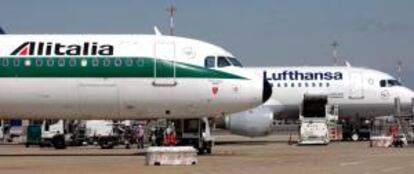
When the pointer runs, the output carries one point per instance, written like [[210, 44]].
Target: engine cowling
[[253, 123]]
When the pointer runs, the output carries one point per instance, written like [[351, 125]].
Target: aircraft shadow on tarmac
[[254, 142]]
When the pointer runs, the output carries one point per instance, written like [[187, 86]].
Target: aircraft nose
[[412, 95], [267, 90], [408, 94]]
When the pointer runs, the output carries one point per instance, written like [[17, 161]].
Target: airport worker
[[153, 137], [140, 133], [169, 137], [128, 136], [159, 136]]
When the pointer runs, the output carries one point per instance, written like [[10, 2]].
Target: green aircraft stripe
[[139, 67]]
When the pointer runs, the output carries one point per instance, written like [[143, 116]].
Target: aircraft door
[[356, 85], [164, 64]]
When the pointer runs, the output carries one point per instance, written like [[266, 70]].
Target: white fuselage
[[117, 77], [117, 98], [357, 91]]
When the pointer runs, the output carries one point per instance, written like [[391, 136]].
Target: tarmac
[[238, 156]]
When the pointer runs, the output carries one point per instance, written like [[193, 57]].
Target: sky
[[371, 33]]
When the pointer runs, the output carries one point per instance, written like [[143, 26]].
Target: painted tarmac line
[[350, 163], [391, 169]]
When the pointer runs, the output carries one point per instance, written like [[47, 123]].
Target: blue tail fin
[[2, 31]]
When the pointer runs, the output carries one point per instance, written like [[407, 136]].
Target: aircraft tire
[[354, 137], [106, 143], [58, 142], [208, 150]]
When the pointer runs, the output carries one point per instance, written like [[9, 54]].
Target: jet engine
[[253, 123]]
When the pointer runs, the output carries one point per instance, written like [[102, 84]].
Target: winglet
[[2, 31], [347, 64], [157, 32]]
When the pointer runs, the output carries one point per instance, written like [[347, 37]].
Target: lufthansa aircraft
[[359, 92], [120, 77]]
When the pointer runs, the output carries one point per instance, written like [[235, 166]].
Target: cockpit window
[[209, 62], [389, 83], [235, 62], [383, 83], [394, 83], [222, 62]]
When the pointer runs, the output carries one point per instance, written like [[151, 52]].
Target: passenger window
[[16, 62], [72, 62], [313, 84], [321, 84], [140, 62], [306, 85], [209, 62], [118, 62], [286, 85], [5, 62], [27, 62], [222, 62], [39, 62], [84, 62], [61, 62], [292, 85], [95, 62], [383, 83], [106, 62], [327, 84], [278, 85], [129, 62], [50, 62]]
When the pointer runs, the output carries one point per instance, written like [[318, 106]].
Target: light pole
[[335, 45], [172, 10], [399, 70]]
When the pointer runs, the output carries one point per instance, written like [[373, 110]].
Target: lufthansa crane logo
[[385, 95]]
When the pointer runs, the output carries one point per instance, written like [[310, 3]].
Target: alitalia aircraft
[[120, 77], [359, 92]]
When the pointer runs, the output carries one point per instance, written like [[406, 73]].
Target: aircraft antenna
[[335, 45], [172, 11]]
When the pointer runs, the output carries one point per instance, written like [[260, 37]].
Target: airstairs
[[405, 121]]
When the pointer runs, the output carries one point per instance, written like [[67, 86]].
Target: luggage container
[[315, 115], [34, 135], [181, 155]]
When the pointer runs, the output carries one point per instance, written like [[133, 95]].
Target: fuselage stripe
[[127, 67]]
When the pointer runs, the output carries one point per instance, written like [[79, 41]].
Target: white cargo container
[[184, 155], [315, 115], [314, 132]]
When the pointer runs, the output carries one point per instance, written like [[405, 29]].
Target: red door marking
[[215, 90]]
